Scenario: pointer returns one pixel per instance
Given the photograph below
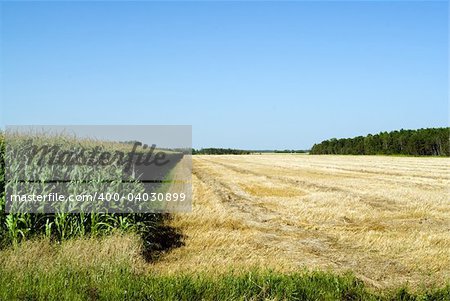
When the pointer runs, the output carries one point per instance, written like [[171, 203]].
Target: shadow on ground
[[161, 239]]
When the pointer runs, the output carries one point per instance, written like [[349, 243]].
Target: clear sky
[[252, 75]]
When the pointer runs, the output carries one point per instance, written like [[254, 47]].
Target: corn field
[[60, 222]]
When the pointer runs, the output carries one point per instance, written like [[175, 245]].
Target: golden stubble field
[[386, 219]]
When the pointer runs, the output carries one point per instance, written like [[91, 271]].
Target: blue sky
[[253, 75]]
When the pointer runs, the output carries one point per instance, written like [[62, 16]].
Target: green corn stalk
[[61, 224], [48, 228]]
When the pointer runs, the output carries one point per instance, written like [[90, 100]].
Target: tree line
[[220, 151], [421, 142], [291, 151], [233, 151]]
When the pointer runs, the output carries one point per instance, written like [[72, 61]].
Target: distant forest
[[421, 142], [220, 151], [232, 151]]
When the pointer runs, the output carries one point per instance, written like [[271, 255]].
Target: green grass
[[119, 283]]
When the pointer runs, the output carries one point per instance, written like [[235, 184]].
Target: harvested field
[[386, 219]]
